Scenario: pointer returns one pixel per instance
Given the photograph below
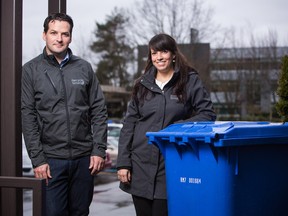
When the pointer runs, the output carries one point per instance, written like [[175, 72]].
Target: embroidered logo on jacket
[[77, 81], [173, 97]]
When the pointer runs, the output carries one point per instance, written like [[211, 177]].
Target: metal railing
[[37, 186]]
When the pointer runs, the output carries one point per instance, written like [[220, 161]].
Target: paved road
[[108, 199]]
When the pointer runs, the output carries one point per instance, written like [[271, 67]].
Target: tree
[[282, 90], [176, 18], [115, 52]]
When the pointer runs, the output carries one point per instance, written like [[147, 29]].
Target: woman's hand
[[124, 175]]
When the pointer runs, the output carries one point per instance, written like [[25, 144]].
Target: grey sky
[[259, 15]]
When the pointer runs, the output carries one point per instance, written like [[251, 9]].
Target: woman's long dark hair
[[161, 42]]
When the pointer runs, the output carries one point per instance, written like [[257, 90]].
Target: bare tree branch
[[176, 18]]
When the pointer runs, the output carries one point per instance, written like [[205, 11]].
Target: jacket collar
[[52, 59], [148, 79], [151, 74]]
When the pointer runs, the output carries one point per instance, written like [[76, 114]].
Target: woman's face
[[162, 60]]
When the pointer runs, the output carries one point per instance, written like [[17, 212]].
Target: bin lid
[[220, 133]]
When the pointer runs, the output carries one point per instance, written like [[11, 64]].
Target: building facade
[[242, 81]]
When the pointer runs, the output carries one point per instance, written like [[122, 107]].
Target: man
[[63, 120]]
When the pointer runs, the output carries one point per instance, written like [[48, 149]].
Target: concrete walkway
[[109, 200]]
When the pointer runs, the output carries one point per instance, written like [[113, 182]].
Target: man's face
[[58, 38]]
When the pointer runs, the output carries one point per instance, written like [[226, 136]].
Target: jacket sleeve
[[126, 136], [30, 126], [200, 101], [98, 118]]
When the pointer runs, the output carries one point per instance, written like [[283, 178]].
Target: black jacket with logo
[[157, 112], [63, 109]]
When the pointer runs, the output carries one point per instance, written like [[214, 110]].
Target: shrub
[[282, 90]]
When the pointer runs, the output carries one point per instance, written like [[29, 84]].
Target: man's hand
[[96, 164], [124, 175], [43, 171]]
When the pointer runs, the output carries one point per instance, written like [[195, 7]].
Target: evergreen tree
[[282, 90], [115, 53]]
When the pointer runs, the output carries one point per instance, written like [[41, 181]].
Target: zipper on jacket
[[67, 112], [164, 114], [51, 81]]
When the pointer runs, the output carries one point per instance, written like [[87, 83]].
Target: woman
[[169, 91]]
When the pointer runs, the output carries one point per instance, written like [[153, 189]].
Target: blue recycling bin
[[225, 168]]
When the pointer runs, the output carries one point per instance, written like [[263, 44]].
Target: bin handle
[[154, 140]]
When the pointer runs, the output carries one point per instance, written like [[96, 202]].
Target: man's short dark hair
[[59, 17]]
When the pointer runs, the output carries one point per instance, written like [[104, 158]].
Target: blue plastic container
[[225, 168]]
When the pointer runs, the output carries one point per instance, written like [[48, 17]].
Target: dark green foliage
[[115, 52], [282, 90]]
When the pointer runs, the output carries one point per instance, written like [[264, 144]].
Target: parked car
[[114, 129], [108, 161], [112, 149], [112, 141], [27, 169]]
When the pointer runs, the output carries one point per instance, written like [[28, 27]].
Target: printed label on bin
[[190, 180]]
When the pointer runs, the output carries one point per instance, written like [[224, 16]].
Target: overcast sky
[[259, 15]]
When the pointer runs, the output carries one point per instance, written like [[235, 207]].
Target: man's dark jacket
[[63, 109]]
